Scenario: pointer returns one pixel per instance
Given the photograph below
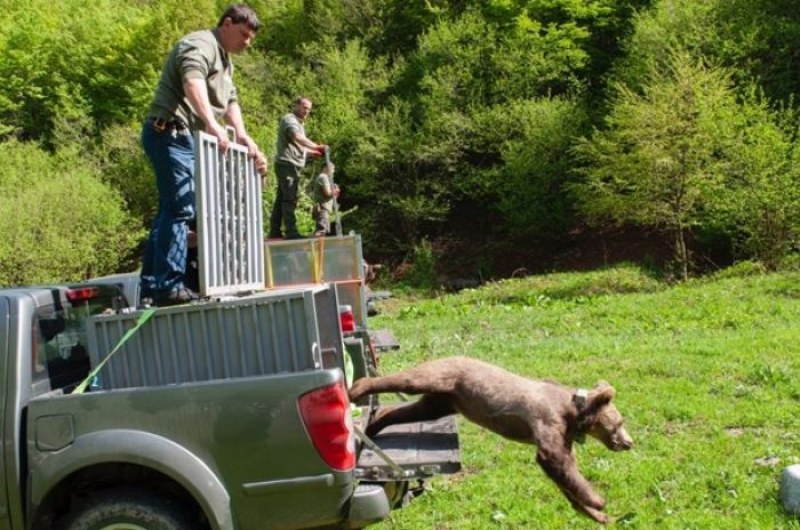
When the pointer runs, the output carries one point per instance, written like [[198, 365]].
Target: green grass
[[707, 375]]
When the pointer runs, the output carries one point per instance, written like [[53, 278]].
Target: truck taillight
[[346, 318], [82, 294], [326, 415]]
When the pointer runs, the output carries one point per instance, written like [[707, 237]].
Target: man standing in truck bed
[[292, 146], [195, 92]]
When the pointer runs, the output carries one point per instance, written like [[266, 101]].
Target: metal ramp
[[421, 449], [230, 230]]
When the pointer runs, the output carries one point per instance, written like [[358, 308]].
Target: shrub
[[58, 221]]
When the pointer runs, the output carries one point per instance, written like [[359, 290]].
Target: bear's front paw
[[597, 515]]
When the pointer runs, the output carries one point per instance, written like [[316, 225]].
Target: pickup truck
[[170, 441], [227, 413]]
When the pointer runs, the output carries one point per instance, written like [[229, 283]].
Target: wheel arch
[[113, 458]]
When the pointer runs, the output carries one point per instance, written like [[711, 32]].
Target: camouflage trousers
[[322, 220], [283, 210]]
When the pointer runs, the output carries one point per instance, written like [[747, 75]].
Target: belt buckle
[[160, 125]]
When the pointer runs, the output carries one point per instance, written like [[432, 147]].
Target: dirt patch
[[467, 256]]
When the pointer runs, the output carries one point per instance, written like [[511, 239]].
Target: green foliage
[[58, 221], [421, 270], [65, 79], [761, 205], [658, 163], [125, 168], [444, 116], [400, 91], [534, 140], [398, 24], [751, 38], [757, 205], [474, 60], [741, 269], [669, 27], [543, 290]]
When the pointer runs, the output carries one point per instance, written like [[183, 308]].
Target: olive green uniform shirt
[[288, 152], [198, 55], [323, 192]]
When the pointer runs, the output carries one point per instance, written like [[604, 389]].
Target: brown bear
[[539, 412]]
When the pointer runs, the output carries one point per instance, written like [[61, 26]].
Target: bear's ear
[[601, 394]]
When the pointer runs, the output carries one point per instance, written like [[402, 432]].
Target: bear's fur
[[543, 413]]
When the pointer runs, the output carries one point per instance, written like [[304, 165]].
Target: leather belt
[[161, 125]]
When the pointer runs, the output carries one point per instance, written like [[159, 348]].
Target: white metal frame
[[230, 231]]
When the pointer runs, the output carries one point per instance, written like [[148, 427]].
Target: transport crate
[[260, 334], [334, 260]]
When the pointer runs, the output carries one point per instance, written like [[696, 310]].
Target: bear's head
[[602, 420]]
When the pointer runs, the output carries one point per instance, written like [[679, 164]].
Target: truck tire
[[128, 509]]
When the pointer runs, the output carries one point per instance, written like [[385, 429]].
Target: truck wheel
[[128, 509]]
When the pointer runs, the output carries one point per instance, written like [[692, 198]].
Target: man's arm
[[233, 117], [197, 93], [302, 140]]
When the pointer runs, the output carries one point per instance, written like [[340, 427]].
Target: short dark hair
[[239, 14], [299, 99]]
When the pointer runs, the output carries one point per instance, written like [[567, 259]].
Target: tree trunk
[[681, 252]]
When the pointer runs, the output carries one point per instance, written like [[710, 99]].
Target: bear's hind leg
[[428, 407]]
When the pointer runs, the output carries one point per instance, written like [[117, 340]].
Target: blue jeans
[[172, 158]]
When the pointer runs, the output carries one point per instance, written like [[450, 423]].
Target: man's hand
[[261, 163], [252, 148], [259, 158], [218, 131]]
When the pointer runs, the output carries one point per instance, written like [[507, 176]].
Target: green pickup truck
[[226, 414]]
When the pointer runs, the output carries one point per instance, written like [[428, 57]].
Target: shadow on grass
[[539, 290]]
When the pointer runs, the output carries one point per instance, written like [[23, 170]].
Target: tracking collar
[[580, 398]]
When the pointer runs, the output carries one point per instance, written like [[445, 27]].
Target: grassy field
[[707, 375]]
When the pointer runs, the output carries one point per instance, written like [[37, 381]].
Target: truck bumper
[[368, 505]]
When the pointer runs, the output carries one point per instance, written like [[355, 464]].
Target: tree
[[760, 208], [534, 138], [661, 158]]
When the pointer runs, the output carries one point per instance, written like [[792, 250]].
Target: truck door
[[4, 353]]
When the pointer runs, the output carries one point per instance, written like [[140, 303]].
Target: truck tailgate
[[421, 449]]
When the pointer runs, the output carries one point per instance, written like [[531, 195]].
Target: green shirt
[[323, 181], [287, 150], [198, 55]]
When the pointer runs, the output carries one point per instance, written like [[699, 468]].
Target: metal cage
[[230, 230]]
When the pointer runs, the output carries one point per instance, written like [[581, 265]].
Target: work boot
[[178, 296]]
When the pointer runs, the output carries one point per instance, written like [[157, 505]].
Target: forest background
[[471, 138]]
